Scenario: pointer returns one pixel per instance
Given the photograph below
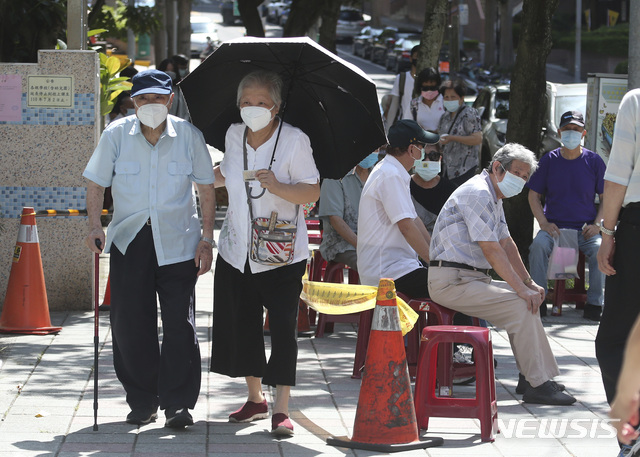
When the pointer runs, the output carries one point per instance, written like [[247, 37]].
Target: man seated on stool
[[391, 237], [569, 178], [339, 204], [470, 238]]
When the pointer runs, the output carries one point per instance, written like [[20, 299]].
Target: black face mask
[[414, 62]]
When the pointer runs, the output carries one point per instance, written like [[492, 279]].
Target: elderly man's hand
[[551, 228], [204, 257], [90, 240], [532, 298]]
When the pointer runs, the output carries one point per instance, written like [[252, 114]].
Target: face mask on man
[[571, 138], [256, 117], [451, 105], [511, 185], [369, 161], [153, 114], [427, 170]]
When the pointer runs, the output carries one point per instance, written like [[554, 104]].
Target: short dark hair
[[428, 74], [180, 59], [458, 86], [415, 49]]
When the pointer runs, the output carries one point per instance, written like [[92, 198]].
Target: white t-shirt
[[407, 95], [429, 116], [293, 164], [383, 252]]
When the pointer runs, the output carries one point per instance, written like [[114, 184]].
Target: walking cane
[[96, 326]]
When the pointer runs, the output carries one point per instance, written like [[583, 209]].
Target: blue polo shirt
[[153, 182]]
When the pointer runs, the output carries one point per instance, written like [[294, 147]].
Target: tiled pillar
[[43, 151]]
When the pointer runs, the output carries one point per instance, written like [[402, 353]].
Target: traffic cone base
[[385, 416], [26, 309]]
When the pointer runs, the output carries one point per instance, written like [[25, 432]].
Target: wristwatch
[[528, 281], [211, 241], [605, 230]]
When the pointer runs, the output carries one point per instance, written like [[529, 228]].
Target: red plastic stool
[[484, 405], [560, 293], [334, 272]]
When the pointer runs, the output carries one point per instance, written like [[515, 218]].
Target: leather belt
[[462, 266]]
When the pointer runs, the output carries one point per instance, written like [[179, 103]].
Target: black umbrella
[[329, 99]]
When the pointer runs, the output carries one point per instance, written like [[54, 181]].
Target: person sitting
[[391, 237], [339, 204], [569, 178], [470, 238]]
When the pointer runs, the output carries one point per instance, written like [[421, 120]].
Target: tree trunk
[[506, 34], [435, 20], [170, 21], [302, 16], [525, 118], [160, 48], [184, 27], [251, 17], [490, 33], [327, 35]]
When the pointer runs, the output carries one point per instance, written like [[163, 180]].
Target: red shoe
[[250, 411], [281, 425]]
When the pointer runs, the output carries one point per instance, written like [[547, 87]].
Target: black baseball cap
[[151, 82], [572, 117], [407, 131]]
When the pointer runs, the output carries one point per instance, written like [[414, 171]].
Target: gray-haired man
[[470, 238]]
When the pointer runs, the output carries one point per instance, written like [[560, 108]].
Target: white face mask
[[153, 114], [428, 170], [256, 117], [511, 185]]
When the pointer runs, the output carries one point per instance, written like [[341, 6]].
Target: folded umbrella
[[329, 99]]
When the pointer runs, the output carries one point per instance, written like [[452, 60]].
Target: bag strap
[[455, 118]]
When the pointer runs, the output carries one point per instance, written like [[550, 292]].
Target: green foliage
[[622, 68], [110, 85], [612, 41], [117, 19]]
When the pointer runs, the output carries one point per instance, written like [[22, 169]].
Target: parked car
[[399, 57], [492, 104], [229, 12], [363, 42], [275, 10], [386, 41], [350, 22], [203, 31]]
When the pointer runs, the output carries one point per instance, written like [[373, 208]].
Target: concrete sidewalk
[[46, 399]]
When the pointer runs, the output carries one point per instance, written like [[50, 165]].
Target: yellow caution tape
[[336, 299]]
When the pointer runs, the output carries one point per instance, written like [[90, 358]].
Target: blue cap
[[151, 82], [407, 131]]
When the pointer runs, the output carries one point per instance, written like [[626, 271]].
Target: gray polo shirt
[[473, 213]]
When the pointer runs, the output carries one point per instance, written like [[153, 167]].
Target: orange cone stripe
[[28, 234], [386, 319]]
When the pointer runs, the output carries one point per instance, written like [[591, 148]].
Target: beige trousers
[[477, 295]]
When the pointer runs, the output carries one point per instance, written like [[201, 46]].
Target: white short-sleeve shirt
[[383, 252], [407, 94], [293, 163]]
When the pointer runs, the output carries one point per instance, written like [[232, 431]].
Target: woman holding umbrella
[[269, 171]]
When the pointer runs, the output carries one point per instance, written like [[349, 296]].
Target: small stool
[[484, 406], [334, 272], [560, 293]]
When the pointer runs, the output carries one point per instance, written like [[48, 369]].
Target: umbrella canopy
[[329, 99]]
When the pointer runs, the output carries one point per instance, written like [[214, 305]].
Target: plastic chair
[[577, 294], [483, 406]]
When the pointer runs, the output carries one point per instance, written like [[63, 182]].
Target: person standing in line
[[157, 248], [402, 92], [427, 108], [620, 246]]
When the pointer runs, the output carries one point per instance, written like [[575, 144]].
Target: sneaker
[[523, 384], [178, 418], [592, 312], [281, 425], [250, 411], [142, 416], [461, 357], [547, 394]]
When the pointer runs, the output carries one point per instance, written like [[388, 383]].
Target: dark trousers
[[621, 301], [238, 341], [154, 376], [413, 284]]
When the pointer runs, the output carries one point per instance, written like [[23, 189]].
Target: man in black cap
[[569, 178], [391, 236], [151, 161]]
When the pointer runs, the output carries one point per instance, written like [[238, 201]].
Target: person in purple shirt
[[569, 178]]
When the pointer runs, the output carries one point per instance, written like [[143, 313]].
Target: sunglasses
[[428, 88], [433, 156]]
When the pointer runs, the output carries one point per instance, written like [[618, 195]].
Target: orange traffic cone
[[385, 416], [26, 309], [106, 302]]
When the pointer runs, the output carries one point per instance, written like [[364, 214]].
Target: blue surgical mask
[[451, 105], [427, 170], [369, 161], [511, 185], [571, 138]]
